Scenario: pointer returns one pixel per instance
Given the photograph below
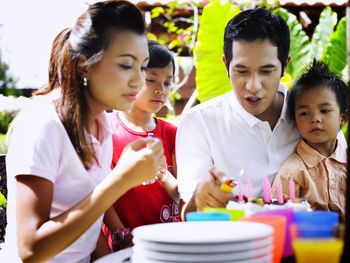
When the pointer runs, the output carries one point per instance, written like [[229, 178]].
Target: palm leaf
[[323, 31], [211, 77], [335, 52], [300, 48]]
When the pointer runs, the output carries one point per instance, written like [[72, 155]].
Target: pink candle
[[249, 189], [279, 192], [291, 190], [240, 192], [267, 190]]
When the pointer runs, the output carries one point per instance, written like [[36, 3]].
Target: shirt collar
[[251, 119], [311, 157], [104, 129]]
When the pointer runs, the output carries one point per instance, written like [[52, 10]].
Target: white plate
[[201, 257], [122, 256], [202, 232], [263, 259], [203, 248]]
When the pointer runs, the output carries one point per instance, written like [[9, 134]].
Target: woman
[[61, 149]]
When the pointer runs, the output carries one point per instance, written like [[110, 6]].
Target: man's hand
[[209, 193]]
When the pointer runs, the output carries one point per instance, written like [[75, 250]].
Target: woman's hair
[[90, 36], [56, 50], [159, 56]]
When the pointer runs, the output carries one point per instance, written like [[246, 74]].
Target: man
[[245, 129]]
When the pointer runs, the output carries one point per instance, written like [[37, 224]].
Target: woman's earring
[[85, 82]]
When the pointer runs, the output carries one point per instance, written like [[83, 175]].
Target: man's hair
[[318, 75], [257, 24]]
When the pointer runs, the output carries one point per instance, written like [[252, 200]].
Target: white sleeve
[[341, 138], [193, 155], [36, 145]]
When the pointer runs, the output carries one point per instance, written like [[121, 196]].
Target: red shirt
[[122, 136]]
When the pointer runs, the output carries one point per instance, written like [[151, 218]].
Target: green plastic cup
[[235, 214]]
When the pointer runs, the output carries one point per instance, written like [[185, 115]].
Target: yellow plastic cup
[[315, 249], [320, 250]]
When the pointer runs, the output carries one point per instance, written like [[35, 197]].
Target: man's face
[[255, 73]]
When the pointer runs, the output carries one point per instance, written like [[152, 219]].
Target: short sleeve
[[36, 143]]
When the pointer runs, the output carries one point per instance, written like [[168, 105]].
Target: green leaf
[[3, 202], [157, 11], [323, 31], [300, 47], [335, 52], [211, 76]]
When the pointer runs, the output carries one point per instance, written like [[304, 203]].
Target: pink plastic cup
[[288, 213]]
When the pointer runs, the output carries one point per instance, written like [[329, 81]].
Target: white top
[[40, 146], [221, 132]]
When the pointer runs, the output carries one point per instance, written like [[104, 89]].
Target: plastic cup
[[309, 246], [208, 216], [235, 214], [279, 225], [317, 224], [288, 213]]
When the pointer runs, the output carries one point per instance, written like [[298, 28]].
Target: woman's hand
[[140, 165]]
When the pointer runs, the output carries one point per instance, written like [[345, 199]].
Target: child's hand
[[138, 166], [162, 173]]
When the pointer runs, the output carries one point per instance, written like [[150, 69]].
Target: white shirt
[[221, 132], [40, 146]]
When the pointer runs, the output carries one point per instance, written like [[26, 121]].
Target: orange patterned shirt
[[320, 179]]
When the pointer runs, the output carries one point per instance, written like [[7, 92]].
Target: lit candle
[[279, 192], [291, 190], [267, 190], [249, 189], [240, 192]]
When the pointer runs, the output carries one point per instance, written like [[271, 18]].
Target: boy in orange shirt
[[317, 104]]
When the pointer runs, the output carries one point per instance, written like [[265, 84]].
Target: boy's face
[[318, 117], [255, 73], [156, 90]]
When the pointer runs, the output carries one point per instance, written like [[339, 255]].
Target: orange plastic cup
[[279, 225]]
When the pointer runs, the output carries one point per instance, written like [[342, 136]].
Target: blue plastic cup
[[208, 216], [316, 224]]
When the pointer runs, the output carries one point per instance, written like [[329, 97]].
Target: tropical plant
[[326, 44], [184, 29], [7, 82], [211, 77], [335, 52]]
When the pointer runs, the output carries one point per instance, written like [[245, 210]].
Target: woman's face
[[155, 91], [115, 80]]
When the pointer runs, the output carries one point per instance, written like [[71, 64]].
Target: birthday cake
[[251, 205], [255, 205]]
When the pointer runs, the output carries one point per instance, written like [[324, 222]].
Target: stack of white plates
[[220, 241]]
